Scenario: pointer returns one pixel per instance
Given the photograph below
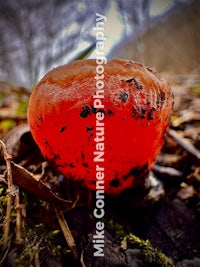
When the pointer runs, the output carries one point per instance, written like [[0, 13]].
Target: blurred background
[[39, 35]]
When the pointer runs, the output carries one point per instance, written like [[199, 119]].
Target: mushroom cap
[[137, 105]]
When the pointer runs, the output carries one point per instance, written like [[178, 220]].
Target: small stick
[[20, 215], [184, 143], [7, 158], [36, 256], [67, 233]]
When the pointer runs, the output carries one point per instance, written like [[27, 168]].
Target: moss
[[152, 255], [7, 124], [117, 229], [38, 242]]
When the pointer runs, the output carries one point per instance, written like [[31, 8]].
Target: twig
[[13, 117], [190, 132], [184, 143], [20, 214], [67, 233], [36, 255], [185, 118], [7, 158], [18, 219]]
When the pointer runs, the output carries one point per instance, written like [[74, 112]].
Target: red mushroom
[[131, 114]]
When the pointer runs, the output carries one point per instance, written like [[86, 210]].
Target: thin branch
[[184, 143], [6, 229], [20, 214], [67, 233]]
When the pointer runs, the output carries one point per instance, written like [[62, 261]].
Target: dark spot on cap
[[90, 136], [149, 69], [82, 155], [137, 171], [95, 110], [130, 80], [110, 112], [71, 165], [40, 118], [129, 63], [89, 128], [139, 64], [142, 114], [158, 101], [85, 111], [123, 96], [45, 141], [150, 114], [50, 148], [135, 113], [85, 165], [63, 166], [115, 182], [56, 156], [163, 96], [137, 84], [62, 129], [139, 112]]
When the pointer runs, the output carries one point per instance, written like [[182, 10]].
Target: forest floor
[[157, 224]]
